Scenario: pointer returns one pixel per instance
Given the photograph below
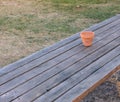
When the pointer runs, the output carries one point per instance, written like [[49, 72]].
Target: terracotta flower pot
[[87, 37]]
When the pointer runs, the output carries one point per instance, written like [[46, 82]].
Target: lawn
[[30, 25]]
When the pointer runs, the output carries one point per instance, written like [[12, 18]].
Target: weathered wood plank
[[26, 83], [22, 88], [110, 25], [82, 88], [57, 91], [47, 85], [30, 74], [52, 62], [38, 54], [60, 58]]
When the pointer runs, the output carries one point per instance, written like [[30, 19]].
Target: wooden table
[[66, 71]]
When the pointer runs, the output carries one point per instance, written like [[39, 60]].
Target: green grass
[[101, 13], [21, 23], [80, 1], [88, 8], [61, 26]]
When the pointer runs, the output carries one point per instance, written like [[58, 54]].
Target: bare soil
[[106, 92]]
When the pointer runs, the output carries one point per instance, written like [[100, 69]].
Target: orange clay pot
[[87, 37]]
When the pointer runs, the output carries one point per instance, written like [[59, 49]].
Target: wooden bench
[[66, 71]]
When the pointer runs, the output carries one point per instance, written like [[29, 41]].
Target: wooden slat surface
[[90, 81], [59, 58], [53, 71], [78, 77], [38, 54], [57, 73], [37, 71]]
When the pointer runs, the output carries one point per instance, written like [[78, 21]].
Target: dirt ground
[[106, 92]]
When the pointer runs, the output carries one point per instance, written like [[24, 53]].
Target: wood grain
[[66, 71], [60, 58], [45, 51], [48, 84]]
